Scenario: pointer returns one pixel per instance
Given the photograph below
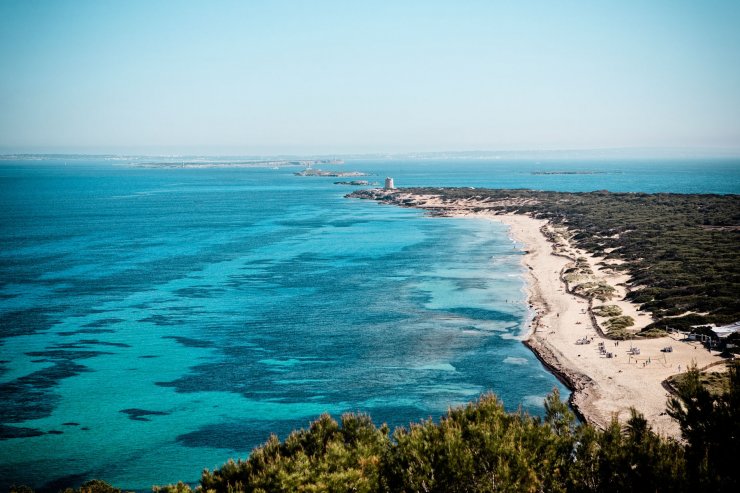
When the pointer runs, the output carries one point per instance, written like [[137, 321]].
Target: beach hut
[[725, 336]]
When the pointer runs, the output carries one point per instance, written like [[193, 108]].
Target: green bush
[[476, 448], [653, 333], [326, 457], [607, 311], [180, 487], [710, 425], [620, 322]]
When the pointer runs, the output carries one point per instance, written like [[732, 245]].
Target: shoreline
[[601, 387], [580, 384]]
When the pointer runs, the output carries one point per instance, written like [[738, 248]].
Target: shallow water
[[155, 322]]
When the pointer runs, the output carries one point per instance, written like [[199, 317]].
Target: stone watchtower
[[389, 183]]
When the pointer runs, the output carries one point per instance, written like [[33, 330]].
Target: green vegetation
[[620, 334], [172, 488], [599, 290], [653, 332], [711, 427], [682, 251], [620, 322], [607, 311], [717, 383], [326, 456], [482, 448], [94, 486], [579, 270], [616, 327], [583, 266]]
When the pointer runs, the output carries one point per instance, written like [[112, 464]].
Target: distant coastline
[[234, 164], [334, 174]]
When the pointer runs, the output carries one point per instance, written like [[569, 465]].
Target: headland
[[585, 327]]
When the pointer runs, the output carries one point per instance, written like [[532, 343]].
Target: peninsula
[[623, 286]]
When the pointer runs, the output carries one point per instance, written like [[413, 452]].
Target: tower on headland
[[389, 183]]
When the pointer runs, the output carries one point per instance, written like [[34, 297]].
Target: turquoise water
[[155, 322]]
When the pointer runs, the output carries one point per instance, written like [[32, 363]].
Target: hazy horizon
[[331, 78]]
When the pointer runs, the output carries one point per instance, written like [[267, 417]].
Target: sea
[[158, 321]]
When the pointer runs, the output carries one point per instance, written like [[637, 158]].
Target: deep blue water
[[155, 322]]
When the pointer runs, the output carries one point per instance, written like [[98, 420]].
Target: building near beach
[[725, 331], [389, 183]]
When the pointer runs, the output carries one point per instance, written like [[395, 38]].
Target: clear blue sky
[[267, 76]]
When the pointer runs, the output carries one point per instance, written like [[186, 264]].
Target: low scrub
[[607, 311], [620, 322], [598, 290], [653, 333], [620, 334]]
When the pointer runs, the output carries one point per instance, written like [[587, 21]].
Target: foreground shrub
[[710, 424], [326, 457], [479, 448]]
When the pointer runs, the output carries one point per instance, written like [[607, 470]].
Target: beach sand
[[602, 387]]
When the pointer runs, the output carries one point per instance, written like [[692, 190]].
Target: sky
[[332, 77]]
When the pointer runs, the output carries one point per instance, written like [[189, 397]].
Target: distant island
[[358, 183], [233, 164], [335, 174]]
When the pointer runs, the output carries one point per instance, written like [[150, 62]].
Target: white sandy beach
[[613, 385], [602, 387]]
